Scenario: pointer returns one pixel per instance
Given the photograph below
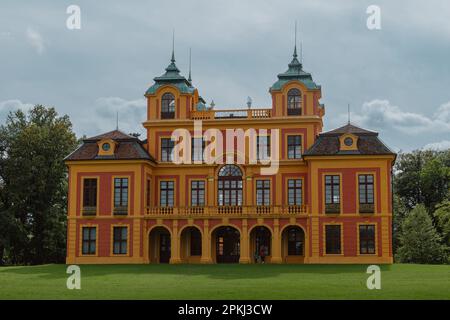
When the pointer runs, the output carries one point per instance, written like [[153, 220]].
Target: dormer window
[[348, 142], [106, 147], [167, 106], [294, 102]]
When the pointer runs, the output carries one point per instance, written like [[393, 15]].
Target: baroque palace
[[328, 201]]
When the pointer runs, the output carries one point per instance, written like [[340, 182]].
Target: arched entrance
[[226, 244], [229, 186], [190, 245], [260, 244], [293, 244], [159, 245]]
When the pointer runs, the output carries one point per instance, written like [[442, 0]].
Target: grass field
[[225, 282]]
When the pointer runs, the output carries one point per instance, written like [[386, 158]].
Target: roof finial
[[117, 120], [301, 52], [295, 40], [173, 46], [348, 112], [189, 78]]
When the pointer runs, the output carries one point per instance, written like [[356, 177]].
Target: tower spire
[[173, 46], [295, 41], [189, 78], [348, 112]]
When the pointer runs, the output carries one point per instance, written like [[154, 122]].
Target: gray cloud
[[381, 115], [441, 145], [238, 49], [10, 106]]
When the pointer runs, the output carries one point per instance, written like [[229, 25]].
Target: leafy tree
[[419, 240], [442, 215], [422, 177], [400, 212], [33, 175]]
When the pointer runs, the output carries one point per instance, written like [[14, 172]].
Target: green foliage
[[442, 215], [422, 177], [33, 175], [419, 240]]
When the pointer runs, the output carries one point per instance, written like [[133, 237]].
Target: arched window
[[294, 102], [167, 106], [230, 186]]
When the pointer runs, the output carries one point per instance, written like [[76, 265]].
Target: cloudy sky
[[396, 79]]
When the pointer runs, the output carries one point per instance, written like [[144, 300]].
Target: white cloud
[[381, 114], [442, 145], [12, 105], [131, 114], [35, 40]]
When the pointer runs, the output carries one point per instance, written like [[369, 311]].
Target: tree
[[419, 240], [33, 175], [442, 215], [399, 214], [422, 177]]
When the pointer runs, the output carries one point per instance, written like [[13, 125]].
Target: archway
[[190, 245], [293, 244], [159, 245], [260, 244], [226, 244]]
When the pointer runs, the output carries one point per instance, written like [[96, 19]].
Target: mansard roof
[[127, 147], [328, 144]]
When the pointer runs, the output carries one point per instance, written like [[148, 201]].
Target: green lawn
[[225, 282]]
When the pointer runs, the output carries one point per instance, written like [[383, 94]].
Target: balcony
[[227, 211], [231, 114]]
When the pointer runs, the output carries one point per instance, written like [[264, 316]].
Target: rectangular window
[[166, 189], [294, 192], [89, 240], [120, 240], [197, 193], [333, 239], [332, 194], [197, 148], [89, 196], [366, 193], [263, 147], [147, 193], [367, 239], [120, 195], [262, 192], [166, 149], [294, 147]]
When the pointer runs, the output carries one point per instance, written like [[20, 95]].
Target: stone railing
[[231, 114], [232, 211]]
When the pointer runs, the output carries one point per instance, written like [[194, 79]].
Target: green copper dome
[[173, 77], [294, 72]]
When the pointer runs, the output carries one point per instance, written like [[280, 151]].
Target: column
[[175, 244], [206, 244], [245, 244], [71, 239], [276, 242]]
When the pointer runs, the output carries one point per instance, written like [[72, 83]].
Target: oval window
[[348, 141], [106, 146]]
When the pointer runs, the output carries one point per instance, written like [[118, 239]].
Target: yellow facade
[[285, 223]]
